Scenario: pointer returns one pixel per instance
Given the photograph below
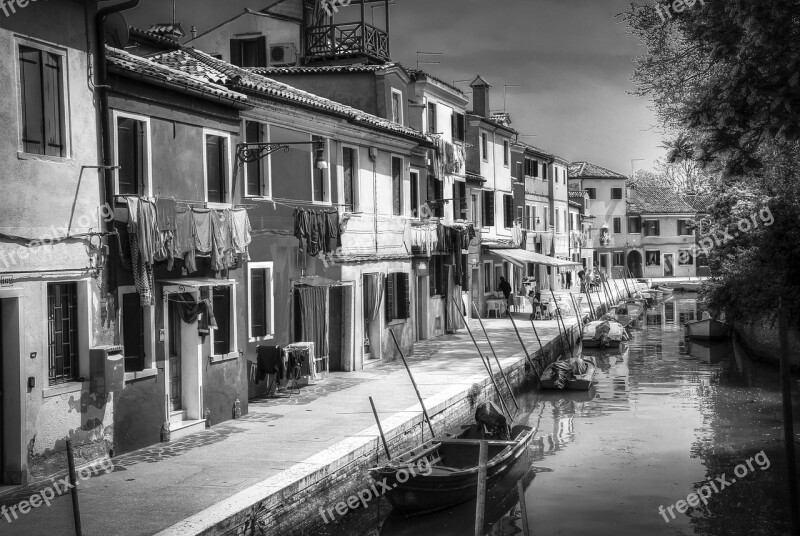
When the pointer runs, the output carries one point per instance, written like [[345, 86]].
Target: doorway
[[336, 329], [635, 264], [12, 400], [175, 366], [2, 406], [422, 301], [669, 264], [372, 293]]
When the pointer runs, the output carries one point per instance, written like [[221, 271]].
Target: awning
[[521, 256], [318, 281], [194, 284]]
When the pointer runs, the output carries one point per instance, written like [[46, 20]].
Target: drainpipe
[[102, 73]]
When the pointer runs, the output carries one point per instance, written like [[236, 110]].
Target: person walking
[[505, 288]]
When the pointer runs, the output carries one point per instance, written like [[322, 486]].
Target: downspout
[[102, 88]]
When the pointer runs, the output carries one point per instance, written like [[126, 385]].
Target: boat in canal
[[710, 352], [577, 382], [690, 286], [453, 476], [596, 335], [707, 328]]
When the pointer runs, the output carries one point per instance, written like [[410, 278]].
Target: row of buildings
[[172, 203]]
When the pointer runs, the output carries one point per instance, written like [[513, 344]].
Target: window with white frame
[[652, 257], [223, 337], [397, 107], [350, 178], [63, 328], [132, 154], [261, 300], [216, 155], [487, 278], [297, 165], [432, 118], [320, 178], [485, 146], [257, 183], [397, 186], [506, 153], [43, 119], [415, 194]]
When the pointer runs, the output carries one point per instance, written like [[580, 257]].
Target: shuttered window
[[216, 168], [508, 211], [459, 201], [398, 297], [249, 52], [437, 276], [617, 225], [488, 209], [42, 93], [62, 316], [221, 301], [131, 156], [397, 186], [260, 302], [435, 193], [133, 332], [255, 185], [350, 178], [432, 118], [458, 126]]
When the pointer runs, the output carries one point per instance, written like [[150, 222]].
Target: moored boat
[[574, 381], [599, 335], [451, 473], [707, 329]]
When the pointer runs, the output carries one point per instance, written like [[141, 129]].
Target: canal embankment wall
[[763, 344], [292, 500]]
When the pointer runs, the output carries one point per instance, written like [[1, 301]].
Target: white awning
[[521, 257]]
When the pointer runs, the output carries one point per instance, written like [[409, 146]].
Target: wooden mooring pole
[[419, 396], [788, 422], [523, 509], [380, 429], [480, 504], [73, 479], [491, 347]]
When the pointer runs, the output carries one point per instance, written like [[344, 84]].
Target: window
[[415, 194], [487, 278], [520, 216], [296, 166], [683, 228], [488, 209], [520, 173], [616, 193], [634, 225], [255, 183], [619, 259], [437, 276], [547, 218], [485, 146], [544, 172], [398, 301], [531, 167], [62, 316], [133, 332], [261, 304], [397, 186], [508, 211], [592, 193], [653, 258], [320, 176], [685, 257], [350, 178], [432, 122], [474, 210], [460, 201], [436, 193], [459, 127], [527, 221], [42, 95], [216, 155], [397, 107], [652, 228], [250, 52], [558, 222], [506, 152], [221, 336], [132, 141], [617, 225]]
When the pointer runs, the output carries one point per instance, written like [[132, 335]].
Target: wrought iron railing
[[347, 39]]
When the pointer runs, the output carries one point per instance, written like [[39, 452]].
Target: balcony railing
[[338, 41]]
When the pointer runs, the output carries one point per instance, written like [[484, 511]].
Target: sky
[[573, 59]]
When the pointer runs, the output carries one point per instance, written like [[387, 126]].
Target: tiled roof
[[137, 33], [587, 170], [492, 122], [577, 194], [575, 204], [417, 74], [201, 65], [699, 202], [352, 68], [167, 29], [655, 200], [129, 64]]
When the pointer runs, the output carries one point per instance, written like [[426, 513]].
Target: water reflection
[[664, 417]]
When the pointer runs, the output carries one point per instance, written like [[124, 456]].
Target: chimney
[[480, 96]]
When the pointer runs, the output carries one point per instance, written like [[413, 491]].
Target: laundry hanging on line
[[317, 232]]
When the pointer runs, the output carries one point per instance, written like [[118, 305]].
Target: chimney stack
[[480, 96]]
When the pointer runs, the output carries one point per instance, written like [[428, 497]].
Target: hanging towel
[[240, 231], [149, 237], [202, 230], [166, 209], [333, 233], [221, 255]]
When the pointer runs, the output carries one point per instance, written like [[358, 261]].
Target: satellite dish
[[117, 32]]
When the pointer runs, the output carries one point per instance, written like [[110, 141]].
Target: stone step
[[177, 416], [185, 428]]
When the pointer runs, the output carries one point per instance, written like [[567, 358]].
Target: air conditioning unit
[[283, 55]]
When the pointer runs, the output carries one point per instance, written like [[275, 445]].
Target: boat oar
[[486, 365], [380, 429], [491, 347], [419, 396], [480, 505], [559, 317]]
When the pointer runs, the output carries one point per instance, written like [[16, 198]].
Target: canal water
[[665, 418]]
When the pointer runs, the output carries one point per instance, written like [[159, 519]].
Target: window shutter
[[454, 126], [223, 169], [488, 209], [406, 297], [390, 284], [261, 51], [141, 156], [253, 135], [31, 82], [258, 324], [51, 87], [236, 52]]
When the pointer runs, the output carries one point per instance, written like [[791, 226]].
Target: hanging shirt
[[202, 230]]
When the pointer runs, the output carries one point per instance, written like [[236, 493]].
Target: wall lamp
[[247, 153]]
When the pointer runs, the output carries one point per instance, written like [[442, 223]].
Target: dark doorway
[[635, 264], [335, 328], [2, 408], [175, 369]]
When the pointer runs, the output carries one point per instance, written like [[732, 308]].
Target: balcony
[[341, 41]]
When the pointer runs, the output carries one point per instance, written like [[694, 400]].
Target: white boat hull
[[707, 329]]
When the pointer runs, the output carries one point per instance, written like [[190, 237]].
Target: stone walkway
[[155, 488]]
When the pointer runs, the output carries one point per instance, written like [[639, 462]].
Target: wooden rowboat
[[452, 477], [707, 329], [616, 336], [578, 383]]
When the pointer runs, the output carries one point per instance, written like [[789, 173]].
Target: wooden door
[[175, 372]]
